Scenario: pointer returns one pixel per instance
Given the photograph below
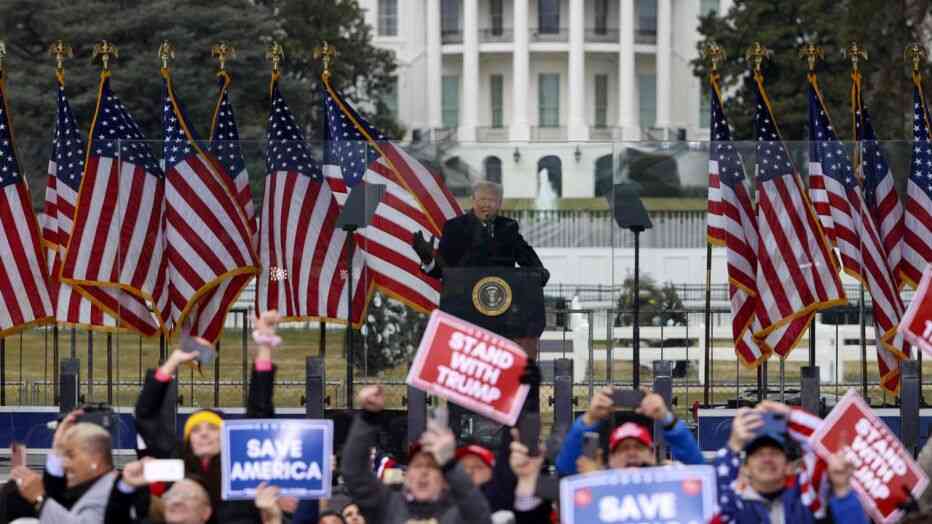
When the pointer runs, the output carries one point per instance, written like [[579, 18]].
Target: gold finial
[[2, 54], [811, 53], [853, 52], [166, 53], [325, 52], [105, 51], [276, 54], [915, 53], [756, 54], [223, 52], [714, 53], [60, 51]]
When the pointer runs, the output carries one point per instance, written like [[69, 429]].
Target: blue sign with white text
[[292, 454], [660, 495]]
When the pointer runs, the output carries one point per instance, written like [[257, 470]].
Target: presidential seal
[[491, 296]]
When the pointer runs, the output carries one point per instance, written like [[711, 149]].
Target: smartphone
[[163, 470], [205, 352], [440, 416], [774, 423], [17, 454], [590, 444], [627, 398], [529, 431]]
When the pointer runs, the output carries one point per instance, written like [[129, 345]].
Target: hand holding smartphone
[[204, 351], [627, 398]]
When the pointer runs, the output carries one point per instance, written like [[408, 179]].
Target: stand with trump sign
[[472, 367], [663, 495], [916, 325], [292, 454], [884, 472]]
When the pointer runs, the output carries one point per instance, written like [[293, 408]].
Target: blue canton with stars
[[224, 140], [345, 145], [287, 150], [874, 165], [176, 146], [772, 158], [921, 172], [9, 167], [68, 146], [730, 168], [824, 146], [117, 135]]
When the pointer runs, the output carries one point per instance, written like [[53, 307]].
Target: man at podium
[[479, 238]]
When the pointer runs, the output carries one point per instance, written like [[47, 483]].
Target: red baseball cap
[[630, 430], [485, 455]]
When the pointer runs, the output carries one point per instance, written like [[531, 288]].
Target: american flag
[[796, 273], [302, 252], [24, 293], [115, 253], [879, 188], [66, 167], [738, 231], [857, 237], [415, 200], [225, 146], [917, 237], [208, 243]]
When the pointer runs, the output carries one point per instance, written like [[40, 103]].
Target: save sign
[[664, 495], [470, 366], [292, 454]]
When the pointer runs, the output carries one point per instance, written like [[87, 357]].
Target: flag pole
[[812, 53], [714, 54]]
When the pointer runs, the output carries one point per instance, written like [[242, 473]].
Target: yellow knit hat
[[206, 415]]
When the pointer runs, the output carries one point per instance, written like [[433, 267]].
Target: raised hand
[[423, 247], [372, 398]]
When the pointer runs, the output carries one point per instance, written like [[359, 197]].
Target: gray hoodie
[[462, 503]]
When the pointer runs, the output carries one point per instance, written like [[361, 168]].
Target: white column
[[470, 110], [434, 67], [520, 129], [576, 124], [627, 114], [664, 55]]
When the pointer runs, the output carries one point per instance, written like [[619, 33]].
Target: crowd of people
[[762, 475]]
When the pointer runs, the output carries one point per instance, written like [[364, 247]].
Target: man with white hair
[[479, 238]]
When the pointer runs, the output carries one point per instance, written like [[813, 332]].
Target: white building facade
[[518, 86]]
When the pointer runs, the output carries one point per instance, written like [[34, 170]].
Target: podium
[[508, 301], [505, 300]]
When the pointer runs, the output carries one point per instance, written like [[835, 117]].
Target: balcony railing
[[496, 35], [492, 134], [645, 36], [597, 228], [451, 36], [611, 35], [604, 133], [547, 134], [549, 34]]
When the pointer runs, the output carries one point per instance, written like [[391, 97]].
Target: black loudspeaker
[[628, 209], [417, 415], [909, 405], [562, 395], [314, 388], [70, 385], [810, 389]]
